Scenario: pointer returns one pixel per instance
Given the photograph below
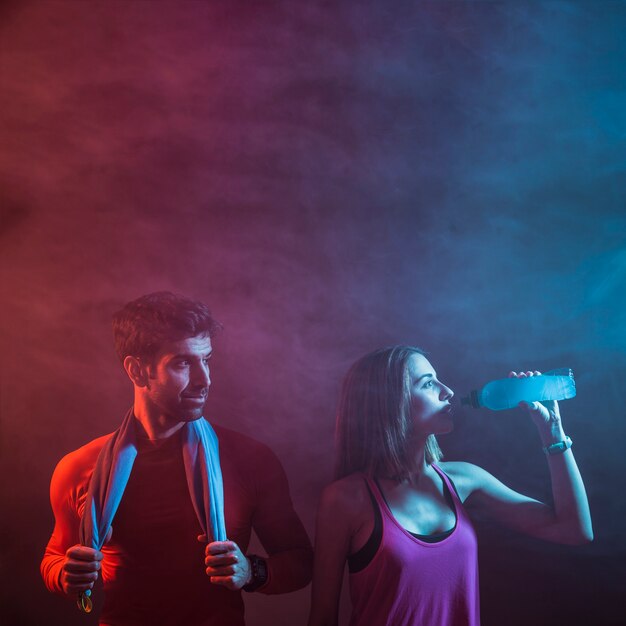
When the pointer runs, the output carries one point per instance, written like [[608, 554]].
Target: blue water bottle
[[507, 393]]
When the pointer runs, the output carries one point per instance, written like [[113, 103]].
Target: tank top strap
[[382, 503], [448, 482], [375, 491]]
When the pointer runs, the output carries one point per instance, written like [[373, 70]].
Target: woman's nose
[[446, 392]]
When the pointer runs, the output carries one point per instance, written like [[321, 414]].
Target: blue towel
[[115, 463]]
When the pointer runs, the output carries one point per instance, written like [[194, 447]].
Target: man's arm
[[67, 567], [278, 527], [255, 481]]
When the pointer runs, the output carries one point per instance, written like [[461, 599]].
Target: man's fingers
[[83, 577], [221, 559], [228, 570], [73, 583], [80, 569], [221, 547], [82, 566], [83, 553], [224, 563], [71, 589]]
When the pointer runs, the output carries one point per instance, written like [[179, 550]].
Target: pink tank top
[[410, 582]]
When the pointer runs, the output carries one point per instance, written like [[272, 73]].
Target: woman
[[399, 517]]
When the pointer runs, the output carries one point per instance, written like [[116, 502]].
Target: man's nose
[[201, 376]]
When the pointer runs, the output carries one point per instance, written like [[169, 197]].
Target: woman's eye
[[429, 384]]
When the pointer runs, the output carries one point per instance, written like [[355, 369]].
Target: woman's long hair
[[374, 424]]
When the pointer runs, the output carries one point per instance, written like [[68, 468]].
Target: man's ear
[[136, 372]]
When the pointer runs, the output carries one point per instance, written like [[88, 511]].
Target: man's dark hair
[[145, 324]]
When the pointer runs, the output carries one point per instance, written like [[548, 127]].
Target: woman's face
[[430, 398]]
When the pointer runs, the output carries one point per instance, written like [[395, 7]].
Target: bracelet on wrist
[[559, 447]]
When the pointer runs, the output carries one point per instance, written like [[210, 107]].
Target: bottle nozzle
[[471, 400]]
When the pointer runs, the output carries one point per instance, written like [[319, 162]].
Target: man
[[145, 505]]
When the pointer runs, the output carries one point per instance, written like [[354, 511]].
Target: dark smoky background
[[330, 178]]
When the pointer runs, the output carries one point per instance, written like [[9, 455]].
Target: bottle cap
[[471, 400]]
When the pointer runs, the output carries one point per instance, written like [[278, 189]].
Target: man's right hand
[[80, 569]]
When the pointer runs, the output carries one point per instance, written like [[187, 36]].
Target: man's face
[[179, 379]]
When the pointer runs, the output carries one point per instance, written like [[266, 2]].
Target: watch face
[[561, 446]]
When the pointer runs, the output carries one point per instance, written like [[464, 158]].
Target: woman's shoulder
[[467, 477], [460, 468], [346, 494]]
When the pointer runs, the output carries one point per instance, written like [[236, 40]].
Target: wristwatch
[[259, 573], [559, 447]]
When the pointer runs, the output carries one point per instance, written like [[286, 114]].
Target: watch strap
[[559, 447], [259, 572]]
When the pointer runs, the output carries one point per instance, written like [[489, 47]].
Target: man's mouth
[[197, 397]]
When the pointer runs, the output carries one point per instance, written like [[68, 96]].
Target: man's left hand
[[227, 565]]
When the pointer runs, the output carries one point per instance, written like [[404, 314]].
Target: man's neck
[[154, 426]]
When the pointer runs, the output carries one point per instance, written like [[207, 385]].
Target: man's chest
[[156, 508]]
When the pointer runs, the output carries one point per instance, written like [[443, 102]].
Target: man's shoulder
[[236, 442], [246, 457], [82, 460], [89, 450]]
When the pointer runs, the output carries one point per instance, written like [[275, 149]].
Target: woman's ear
[[137, 372]]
